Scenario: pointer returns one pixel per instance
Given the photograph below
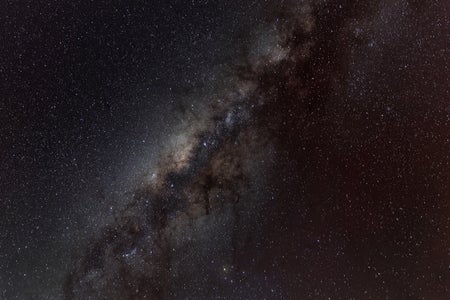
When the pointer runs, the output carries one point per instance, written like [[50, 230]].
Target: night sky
[[225, 149]]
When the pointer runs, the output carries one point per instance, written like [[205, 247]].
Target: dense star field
[[225, 149]]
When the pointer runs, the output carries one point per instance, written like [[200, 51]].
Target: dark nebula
[[314, 166]]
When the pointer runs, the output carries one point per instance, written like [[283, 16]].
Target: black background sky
[[91, 90]]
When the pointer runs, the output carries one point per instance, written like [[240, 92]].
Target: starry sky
[[294, 149]]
